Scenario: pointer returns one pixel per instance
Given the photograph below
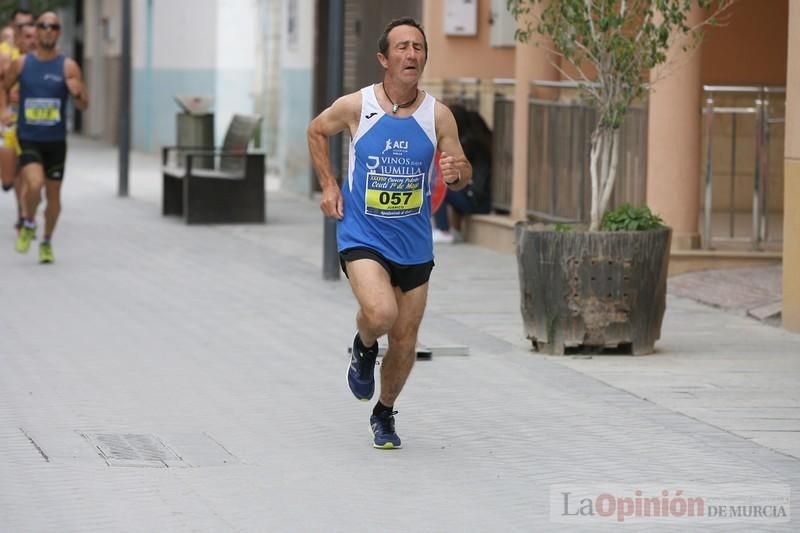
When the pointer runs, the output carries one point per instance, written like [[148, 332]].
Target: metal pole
[[125, 101], [709, 112], [732, 192], [330, 254], [757, 178], [765, 169]]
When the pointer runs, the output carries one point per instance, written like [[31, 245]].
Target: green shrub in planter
[[629, 218]]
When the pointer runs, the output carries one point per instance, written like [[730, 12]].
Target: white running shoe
[[442, 237]]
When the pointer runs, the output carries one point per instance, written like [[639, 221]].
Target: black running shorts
[[406, 277], [51, 155]]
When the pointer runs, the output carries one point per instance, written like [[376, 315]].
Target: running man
[[46, 79], [22, 26], [24, 42], [383, 208]]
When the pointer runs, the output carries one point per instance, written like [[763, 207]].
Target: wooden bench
[[230, 191]]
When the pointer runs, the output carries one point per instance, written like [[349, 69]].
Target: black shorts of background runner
[[51, 155], [406, 277]]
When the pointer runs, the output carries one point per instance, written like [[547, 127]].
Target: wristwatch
[[449, 183]]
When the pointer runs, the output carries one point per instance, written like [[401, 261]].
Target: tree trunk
[[594, 211], [611, 173]]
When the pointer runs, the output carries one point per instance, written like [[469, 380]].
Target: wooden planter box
[[592, 291]]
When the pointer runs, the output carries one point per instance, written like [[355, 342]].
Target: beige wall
[[103, 37], [791, 220], [530, 63], [673, 148], [749, 47], [456, 57]]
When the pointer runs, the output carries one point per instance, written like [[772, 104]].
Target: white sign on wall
[[461, 17], [504, 25]]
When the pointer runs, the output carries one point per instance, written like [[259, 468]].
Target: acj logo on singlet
[[395, 146]]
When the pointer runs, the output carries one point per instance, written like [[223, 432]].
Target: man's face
[[27, 40], [21, 21], [406, 55], [48, 28]]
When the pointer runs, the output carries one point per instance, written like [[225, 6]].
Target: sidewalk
[[755, 292], [224, 351]]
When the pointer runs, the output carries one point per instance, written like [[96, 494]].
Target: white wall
[[296, 94], [236, 54], [138, 33], [185, 33], [297, 34]]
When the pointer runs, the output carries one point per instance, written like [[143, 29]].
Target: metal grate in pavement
[[165, 450], [130, 449]]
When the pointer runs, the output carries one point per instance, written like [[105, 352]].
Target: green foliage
[[563, 228], [34, 6], [613, 45], [629, 218], [621, 39]]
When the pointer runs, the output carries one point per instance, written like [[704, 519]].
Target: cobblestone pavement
[[755, 291], [160, 377]]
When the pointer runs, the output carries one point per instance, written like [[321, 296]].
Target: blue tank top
[[387, 193], [43, 97]]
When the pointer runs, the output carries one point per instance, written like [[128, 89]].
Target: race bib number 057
[[394, 196]]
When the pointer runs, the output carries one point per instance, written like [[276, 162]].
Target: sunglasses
[[45, 26]]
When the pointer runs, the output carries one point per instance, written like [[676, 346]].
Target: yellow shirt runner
[[9, 133]]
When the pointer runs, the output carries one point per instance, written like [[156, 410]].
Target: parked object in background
[[592, 290], [604, 287], [230, 192]]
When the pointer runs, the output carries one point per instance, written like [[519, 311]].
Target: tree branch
[[588, 4], [612, 171], [588, 87], [593, 160], [647, 18]]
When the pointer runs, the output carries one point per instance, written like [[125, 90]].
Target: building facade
[[682, 164], [270, 57]]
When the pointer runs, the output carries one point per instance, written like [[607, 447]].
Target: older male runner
[[383, 208]]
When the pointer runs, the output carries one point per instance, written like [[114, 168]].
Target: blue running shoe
[[361, 372], [383, 430]]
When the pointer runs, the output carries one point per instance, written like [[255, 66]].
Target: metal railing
[[559, 182], [502, 145], [763, 110]]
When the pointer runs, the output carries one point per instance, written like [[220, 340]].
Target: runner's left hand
[[451, 168]]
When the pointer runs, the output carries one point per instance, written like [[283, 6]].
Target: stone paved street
[[223, 348]]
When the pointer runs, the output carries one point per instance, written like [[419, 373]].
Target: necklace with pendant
[[395, 107]]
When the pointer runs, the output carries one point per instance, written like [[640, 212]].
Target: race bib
[[42, 111], [393, 196]]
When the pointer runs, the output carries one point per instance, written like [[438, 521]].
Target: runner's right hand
[[332, 203]]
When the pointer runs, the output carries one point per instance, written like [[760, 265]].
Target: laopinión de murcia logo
[[707, 503]]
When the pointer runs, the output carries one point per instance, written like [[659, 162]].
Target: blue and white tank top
[[43, 98], [387, 193]]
